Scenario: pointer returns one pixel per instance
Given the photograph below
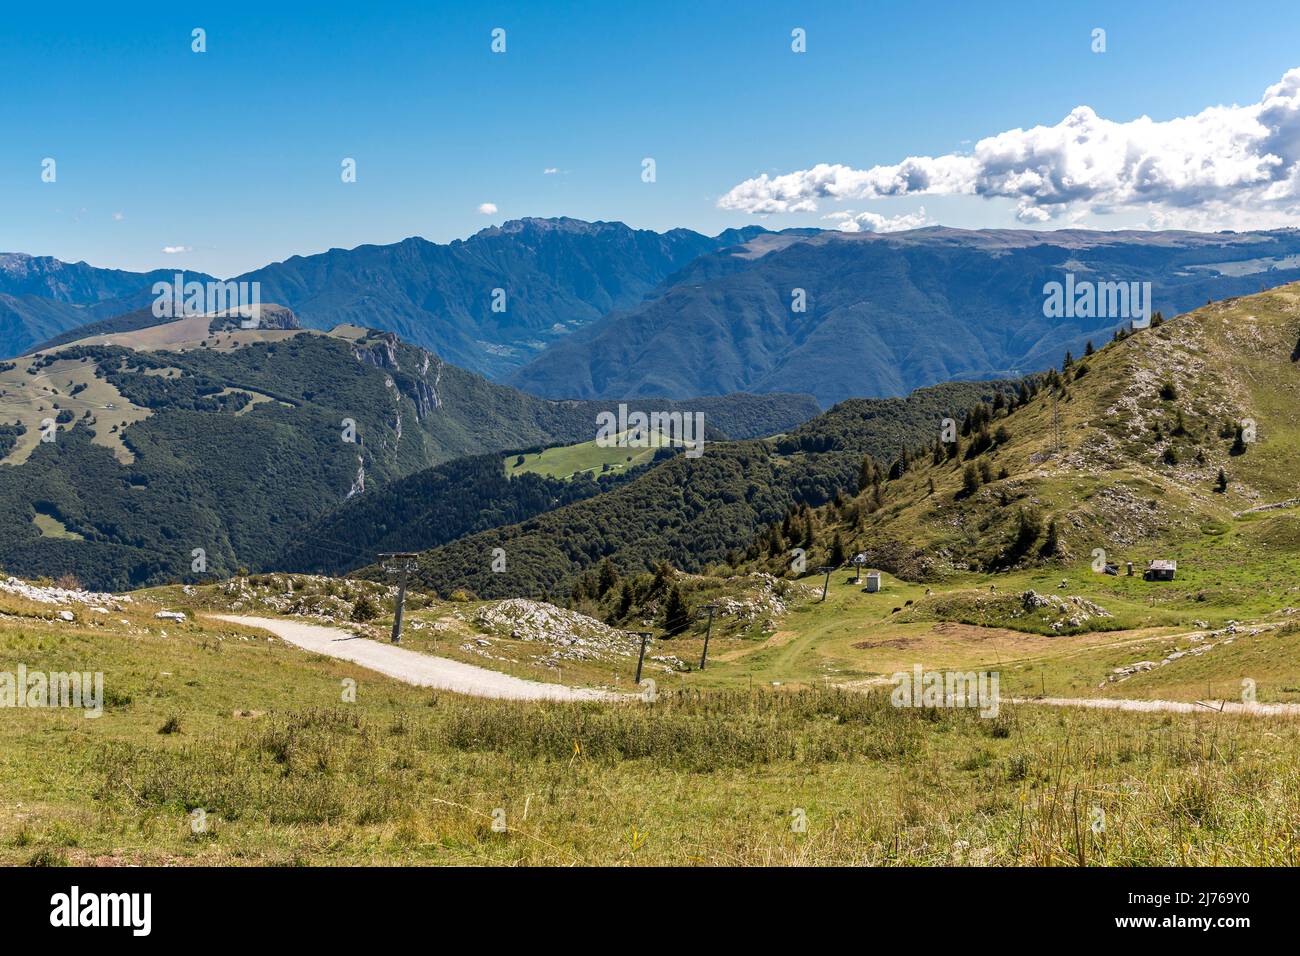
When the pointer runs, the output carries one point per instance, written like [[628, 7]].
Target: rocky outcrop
[[378, 349], [574, 636], [51, 594], [265, 317], [359, 482], [1072, 612], [382, 350]]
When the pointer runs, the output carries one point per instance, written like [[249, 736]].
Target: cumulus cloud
[[550, 171], [174, 250], [488, 209], [849, 221], [1232, 164]]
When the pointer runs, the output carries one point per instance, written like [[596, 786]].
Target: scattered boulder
[[574, 636], [49, 594], [1072, 612]]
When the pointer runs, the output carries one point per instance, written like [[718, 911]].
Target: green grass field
[[566, 461], [724, 768]]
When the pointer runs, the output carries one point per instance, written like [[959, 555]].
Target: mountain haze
[[41, 297], [556, 275], [889, 313]]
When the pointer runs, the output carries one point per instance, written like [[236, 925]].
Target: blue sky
[[234, 154]]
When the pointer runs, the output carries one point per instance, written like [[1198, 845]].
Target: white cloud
[[118, 217], [173, 250], [550, 171], [488, 209], [1227, 166], [849, 221]]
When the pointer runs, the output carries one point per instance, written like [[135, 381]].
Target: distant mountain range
[[600, 310], [885, 314], [41, 297], [554, 276]]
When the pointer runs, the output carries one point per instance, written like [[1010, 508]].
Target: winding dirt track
[[422, 670]]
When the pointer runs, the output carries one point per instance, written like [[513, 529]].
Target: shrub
[[365, 609]]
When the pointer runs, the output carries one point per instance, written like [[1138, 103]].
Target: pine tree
[[677, 615], [866, 473], [626, 598], [608, 578], [1028, 527], [838, 556], [663, 575], [1050, 545]]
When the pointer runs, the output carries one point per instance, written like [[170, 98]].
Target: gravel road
[[423, 670]]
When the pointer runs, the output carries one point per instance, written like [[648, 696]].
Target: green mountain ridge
[[695, 512], [190, 449], [1175, 442]]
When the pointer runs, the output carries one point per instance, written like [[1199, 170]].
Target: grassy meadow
[[206, 716], [565, 461]]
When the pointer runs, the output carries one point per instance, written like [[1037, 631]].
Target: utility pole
[[707, 631], [645, 639], [403, 563], [826, 570]]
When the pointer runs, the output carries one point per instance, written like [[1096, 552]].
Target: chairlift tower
[[645, 639], [711, 608], [826, 569], [399, 564]]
